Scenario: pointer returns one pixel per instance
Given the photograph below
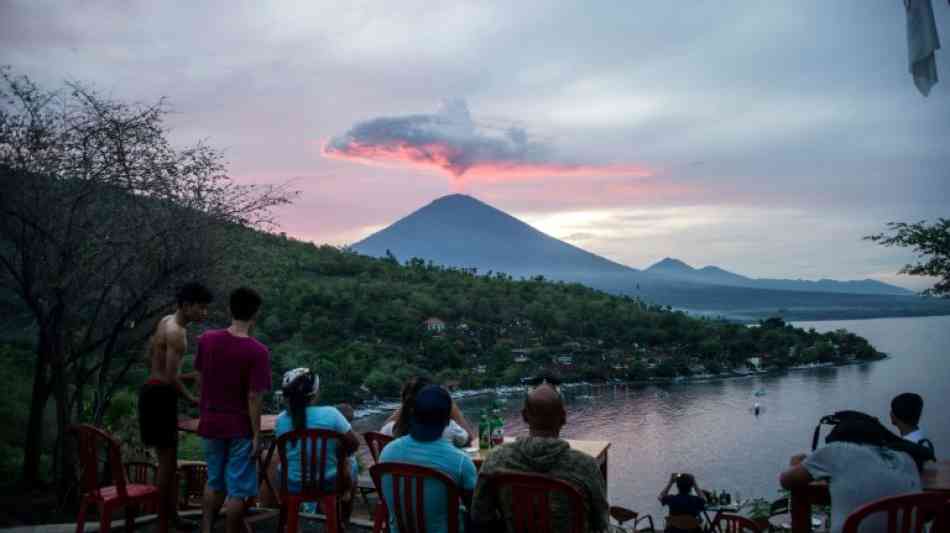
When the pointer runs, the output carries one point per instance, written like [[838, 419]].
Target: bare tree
[[100, 218]]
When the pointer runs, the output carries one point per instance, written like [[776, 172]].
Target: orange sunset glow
[[443, 157]]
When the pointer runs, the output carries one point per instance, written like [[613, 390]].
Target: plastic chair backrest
[[732, 523], [90, 439], [531, 500], [685, 522], [141, 473], [196, 476], [312, 445], [376, 441], [407, 483], [907, 513]]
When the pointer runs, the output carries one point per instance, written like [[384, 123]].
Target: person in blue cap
[[424, 446]]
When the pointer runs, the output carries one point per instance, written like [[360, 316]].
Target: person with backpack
[[862, 462]]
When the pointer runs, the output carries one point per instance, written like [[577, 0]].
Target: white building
[[434, 325]]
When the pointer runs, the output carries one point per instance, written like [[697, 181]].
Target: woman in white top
[[459, 432]]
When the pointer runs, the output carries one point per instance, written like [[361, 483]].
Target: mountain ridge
[[711, 274], [463, 232]]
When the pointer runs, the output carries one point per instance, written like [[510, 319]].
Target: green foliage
[[15, 367], [931, 243], [358, 321]]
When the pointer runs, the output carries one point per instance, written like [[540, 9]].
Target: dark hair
[[409, 391], [193, 293], [685, 483], [869, 431], [907, 407], [297, 394], [244, 303]]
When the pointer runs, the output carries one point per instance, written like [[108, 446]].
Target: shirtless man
[[158, 398]]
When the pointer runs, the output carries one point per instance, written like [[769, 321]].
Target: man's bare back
[[169, 336]]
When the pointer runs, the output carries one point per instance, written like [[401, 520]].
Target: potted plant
[[757, 509]]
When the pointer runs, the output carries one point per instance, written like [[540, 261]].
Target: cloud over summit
[[450, 141]]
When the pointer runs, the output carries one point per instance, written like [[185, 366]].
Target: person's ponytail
[[298, 393]]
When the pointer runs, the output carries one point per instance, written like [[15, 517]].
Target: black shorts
[[158, 415]]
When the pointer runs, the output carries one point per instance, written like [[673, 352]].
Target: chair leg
[[293, 516], [81, 517], [129, 518], [105, 518], [379, 518], [332, 512]]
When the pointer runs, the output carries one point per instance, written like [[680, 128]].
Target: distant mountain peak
[[669, 264], [462, 231], [456, 198]]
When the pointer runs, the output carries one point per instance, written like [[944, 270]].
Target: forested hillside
[[361, 322]]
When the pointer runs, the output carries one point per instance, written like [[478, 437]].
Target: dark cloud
[[451, 141]]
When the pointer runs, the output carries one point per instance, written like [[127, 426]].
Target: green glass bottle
[[484, 432], [497, 429]]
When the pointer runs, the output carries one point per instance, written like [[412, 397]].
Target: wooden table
[[935, 477], [595, 448]]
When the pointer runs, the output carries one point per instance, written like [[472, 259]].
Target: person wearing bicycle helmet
[[301, 389]]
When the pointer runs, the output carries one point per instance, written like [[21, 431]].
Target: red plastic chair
[[531, 501], [907, 513], [376, 441], [312, 444], [112, 497], [142, 473], [733, 523], [407, 482]]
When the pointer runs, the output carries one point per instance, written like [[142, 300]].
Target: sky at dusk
[[763, 137]]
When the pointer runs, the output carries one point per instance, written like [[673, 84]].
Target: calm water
[[708, 428]]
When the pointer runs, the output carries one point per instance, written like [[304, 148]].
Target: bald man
[[544, 452]]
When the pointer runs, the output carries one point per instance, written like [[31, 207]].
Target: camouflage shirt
[[551, 457]]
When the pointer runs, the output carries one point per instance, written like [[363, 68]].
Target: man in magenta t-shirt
[[235, 374]]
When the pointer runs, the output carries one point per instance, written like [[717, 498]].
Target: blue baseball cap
[[430, 414]]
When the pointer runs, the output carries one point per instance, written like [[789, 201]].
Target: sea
[[709, 428]]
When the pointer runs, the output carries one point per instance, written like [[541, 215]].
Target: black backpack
[[838, 418], [862, 428]]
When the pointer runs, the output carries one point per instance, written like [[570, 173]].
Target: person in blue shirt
[[685, 508], [301, 389], [424, 446]]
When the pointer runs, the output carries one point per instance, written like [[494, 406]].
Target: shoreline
[[513, 390]]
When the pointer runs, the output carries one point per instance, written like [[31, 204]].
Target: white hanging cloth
[[922, 42]]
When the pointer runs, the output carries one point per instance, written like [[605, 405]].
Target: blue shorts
[[231, 469]]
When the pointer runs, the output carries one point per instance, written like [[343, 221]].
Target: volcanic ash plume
[[450, 140]]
